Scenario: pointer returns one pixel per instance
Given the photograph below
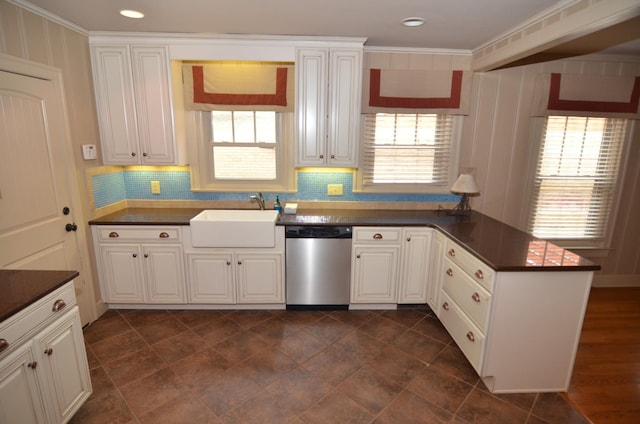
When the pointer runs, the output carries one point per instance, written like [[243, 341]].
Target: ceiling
[[450, 24]]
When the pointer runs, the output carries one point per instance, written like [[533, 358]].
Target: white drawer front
[[466, 335], [17, 327], [138, 233], [476, 269], [469, 295], [377, 234]]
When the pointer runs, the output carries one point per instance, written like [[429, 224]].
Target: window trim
[[600, 245], [411, 188], [198, 131]]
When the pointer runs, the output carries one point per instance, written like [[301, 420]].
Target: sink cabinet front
[[219, 276], [230, 277]]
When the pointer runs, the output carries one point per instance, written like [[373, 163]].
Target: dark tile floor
[[292, 367]]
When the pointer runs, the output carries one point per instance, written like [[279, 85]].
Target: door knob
[[71, 227]]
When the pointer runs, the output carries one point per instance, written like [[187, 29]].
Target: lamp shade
[[465, 184]]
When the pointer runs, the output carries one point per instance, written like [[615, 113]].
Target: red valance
[[450, 102], [239, 86]]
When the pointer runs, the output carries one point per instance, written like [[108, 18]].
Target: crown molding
[[48, 15]]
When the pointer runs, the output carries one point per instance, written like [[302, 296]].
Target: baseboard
[[101, 308], [618, 280]]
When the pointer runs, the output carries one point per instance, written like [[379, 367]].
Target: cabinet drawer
[[476, 269], [138, 233], [469, 295], [21, 325], [466, 335], [377, 234]]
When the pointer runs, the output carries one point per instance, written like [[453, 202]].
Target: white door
[[35, 191]]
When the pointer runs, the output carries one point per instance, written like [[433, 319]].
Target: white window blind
[[576, 176], [244, 145], [407, 148]]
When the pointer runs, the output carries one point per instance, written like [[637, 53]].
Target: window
[[408, 152], [244, 145], [576, 175], [241, 150]]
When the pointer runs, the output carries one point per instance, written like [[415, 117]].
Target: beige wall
[[498, 143], [28, 36], [497, 140]]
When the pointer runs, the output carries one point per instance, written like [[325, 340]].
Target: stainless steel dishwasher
[[318, 267]]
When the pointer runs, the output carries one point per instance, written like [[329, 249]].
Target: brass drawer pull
[[164, 235], [479, 274], [113, 234], [58, 305], [445, 306], [476, 297], [450, 272], [377, 236], [4, 344], [452, 252], [471, 337]]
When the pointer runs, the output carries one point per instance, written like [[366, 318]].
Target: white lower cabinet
[[260, 277], [435, 275], [44, 374], [64, 360], [375, 265], [211, 277], [21, 400], [235, 277], [220, 276], [140, 264], [519, 330], [416, 258]]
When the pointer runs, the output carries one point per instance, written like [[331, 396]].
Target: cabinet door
[[164, 272], [64, 360], [416, 251], [115, 104], [151, 80], [375, 274], [345, 80], [121, 270], [311, 106], [435, 274], [211, 278], [20, 393], [260, 277]]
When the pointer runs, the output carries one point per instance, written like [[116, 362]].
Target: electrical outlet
[[334, 189], [155, 187]]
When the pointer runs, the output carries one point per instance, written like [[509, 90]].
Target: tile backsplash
[[135, 184]]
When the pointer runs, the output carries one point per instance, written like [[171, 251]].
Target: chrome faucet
[[260, 199]]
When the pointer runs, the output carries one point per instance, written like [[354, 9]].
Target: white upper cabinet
[[133, 97], [329, 86]]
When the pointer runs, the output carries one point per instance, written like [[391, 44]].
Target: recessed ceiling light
[[132, 14], [413, 21]]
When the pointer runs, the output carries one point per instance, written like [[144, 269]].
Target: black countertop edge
[[21, 288]]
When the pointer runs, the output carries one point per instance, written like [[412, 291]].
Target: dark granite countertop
[[21, 288], [502, 247]]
